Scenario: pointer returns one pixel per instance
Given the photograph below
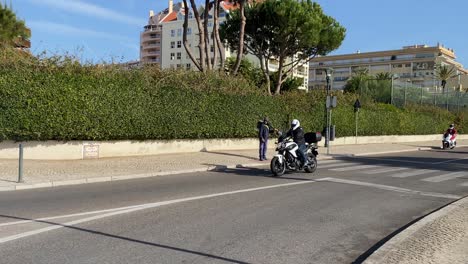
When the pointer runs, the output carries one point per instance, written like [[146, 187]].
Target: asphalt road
[[337, 215]]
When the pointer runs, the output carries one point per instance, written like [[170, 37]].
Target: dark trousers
[[263, 149]]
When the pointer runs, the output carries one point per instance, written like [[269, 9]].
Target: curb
[[380, 255]]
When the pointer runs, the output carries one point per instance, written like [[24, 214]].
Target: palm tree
[[381, 76], [445, 73], [12, 31]]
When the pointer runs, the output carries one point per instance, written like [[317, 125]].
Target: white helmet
[[295, 124]]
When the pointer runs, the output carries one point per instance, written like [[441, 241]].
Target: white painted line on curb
[[446, 177], [143, 207], [391, 188], [34, 186], [70, 182]]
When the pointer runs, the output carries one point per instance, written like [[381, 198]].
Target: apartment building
[[412, 64], [161, 41]]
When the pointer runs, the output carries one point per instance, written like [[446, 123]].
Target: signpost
[[357, 106]]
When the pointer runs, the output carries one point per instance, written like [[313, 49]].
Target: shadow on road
[[132, 240]]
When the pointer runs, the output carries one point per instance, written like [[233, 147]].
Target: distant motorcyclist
[[297, 133], [452, 132]]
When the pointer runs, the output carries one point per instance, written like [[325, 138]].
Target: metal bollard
[[20, 167]]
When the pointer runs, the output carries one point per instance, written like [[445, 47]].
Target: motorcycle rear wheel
[[277, 168], [312, 165]]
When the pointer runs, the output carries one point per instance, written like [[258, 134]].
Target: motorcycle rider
[[297, 133], [452, 132]]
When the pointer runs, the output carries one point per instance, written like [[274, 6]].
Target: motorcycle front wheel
[[277, 168]]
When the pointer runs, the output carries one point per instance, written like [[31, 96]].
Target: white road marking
[[446, 177], [336, 165], [328, 161], [142, 207], [413, 173], [384, 170], [448, 161], [391, 188], [67, 216], [354, 168]]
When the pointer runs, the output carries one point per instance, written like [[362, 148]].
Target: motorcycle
[[287, 158], [447, 143]]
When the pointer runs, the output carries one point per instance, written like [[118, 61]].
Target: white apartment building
[[412, 64], [161, 42]]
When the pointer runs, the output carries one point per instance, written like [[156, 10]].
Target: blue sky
[[109, 29]]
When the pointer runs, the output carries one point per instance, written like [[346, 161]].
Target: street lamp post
[[328, 73]]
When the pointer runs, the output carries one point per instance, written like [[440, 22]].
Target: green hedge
[[62, 100]]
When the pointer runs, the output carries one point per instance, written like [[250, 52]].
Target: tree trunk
[[206, 20], [240, 51], [266, 72], [280, 76], [215, 29], [201, 34], [219, 43], [186, 45]]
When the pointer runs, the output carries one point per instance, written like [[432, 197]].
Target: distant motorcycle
[[287, 158], [447, 143]]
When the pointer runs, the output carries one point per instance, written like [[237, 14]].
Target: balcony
[[156, 46], [146, 38], [151, 53]]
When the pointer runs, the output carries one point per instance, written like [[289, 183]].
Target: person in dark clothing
[[263, 135], [297, 133]]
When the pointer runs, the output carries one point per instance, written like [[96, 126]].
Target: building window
[[179, 55], [179, 44], [179, 32], [172, 33], [188, 66], [172, 56], [189, 31], [172, 44], [210, 24], [179, 66], [190, 15]]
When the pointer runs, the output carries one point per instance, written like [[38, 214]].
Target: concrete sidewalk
[[441, 237], [46, 173]]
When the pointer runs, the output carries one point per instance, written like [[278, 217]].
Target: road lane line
[[143, 207], [390, 188], [384, 170], [446, 177], [413, 173], [354, 168]]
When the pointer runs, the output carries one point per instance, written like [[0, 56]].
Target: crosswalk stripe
[[353, 168], [384, 170], [328, 161], [446, 177], [336, 165], [413, 173]]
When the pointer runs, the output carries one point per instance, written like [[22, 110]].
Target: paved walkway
[[440, 238]]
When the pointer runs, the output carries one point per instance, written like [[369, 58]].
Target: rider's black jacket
[[297, 135]]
